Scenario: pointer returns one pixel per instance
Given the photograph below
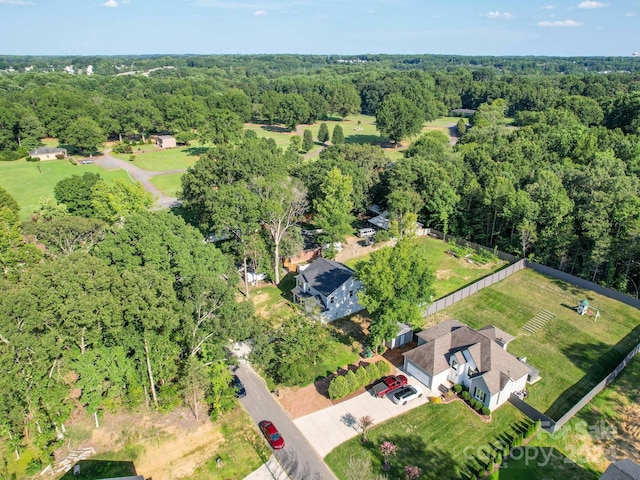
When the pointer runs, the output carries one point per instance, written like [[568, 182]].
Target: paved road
[[139, 175], [298, 457]]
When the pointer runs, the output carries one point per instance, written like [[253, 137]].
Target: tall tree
[[344, 99], [333, 207], [76, 193], [112, 201], [398, 117], [307, 142], [397, 285], [85, 134], [283, 200]]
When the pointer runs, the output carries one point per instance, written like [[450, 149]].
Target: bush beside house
[[343, 385]]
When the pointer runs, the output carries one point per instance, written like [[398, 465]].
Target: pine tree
[[323, 133], [307, 141], [337, 138]]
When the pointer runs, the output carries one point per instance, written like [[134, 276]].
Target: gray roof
[[622, 470], [494, 333], [452, 338], [46, 150], [166, 137], [326, 275]]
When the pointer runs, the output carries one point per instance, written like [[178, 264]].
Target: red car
[[272, 434]]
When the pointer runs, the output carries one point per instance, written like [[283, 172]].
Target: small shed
[[48, 153], [462, 112], [405, 335], [165, 141]]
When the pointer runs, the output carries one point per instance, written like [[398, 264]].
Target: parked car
[[406, 394], [86, 162], [366, 232], [389, 384], [272, 434], [237, 384]]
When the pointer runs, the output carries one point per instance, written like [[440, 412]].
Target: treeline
[[110, 315], [284, 64]]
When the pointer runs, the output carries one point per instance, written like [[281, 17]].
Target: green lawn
[[279, 133], [451, 273], [28, 182], [443, 440], [572, 352], [156, 159], [169, 184]]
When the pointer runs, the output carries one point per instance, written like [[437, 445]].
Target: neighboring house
[[381, 222], [451, 352], [48, 153], [165, 141], [328, 287], [622, 470]]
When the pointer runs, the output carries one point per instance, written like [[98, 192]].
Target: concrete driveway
[[328, 428]]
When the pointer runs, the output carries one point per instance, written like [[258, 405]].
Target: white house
[[48, 153], [452, 352], [328, 287]]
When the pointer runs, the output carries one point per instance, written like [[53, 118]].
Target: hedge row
[[343, 385], [495, 454]]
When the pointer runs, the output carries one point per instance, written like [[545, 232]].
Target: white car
[[406, 394]]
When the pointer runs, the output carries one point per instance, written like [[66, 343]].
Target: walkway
[[139, 175]]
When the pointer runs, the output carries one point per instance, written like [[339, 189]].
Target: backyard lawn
[[572, 352], [443, 440], [28, 182], [451, 273]]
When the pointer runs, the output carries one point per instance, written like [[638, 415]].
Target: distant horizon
[[494, 28]]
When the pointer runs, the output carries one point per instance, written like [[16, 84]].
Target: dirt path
[[181, 456], [139, 175]]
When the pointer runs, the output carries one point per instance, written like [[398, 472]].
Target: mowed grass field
[[451, 273], [572, 352], [440, 439], [154, 159], [28, 182]]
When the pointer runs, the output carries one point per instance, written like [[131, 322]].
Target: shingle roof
[[46, 150], [622, 470], [452, 338], [326, 276], [494, 333]]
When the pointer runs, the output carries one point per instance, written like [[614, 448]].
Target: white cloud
[[504, 15], [592, 4], [110, 4], [630, 14], [260, 13], [549, 7], [559, 23], [15, 2]]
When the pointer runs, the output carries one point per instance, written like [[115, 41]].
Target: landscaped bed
[[572, 352]]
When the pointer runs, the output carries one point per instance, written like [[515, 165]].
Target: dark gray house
[[328, 288]]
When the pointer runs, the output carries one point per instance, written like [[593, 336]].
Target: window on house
[[479, 394], [331, 299], [351, 293], [454, 364]]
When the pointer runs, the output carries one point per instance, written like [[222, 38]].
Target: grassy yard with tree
[[28, 182], [572, 352]]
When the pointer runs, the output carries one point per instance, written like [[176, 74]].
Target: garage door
[[419, 374]]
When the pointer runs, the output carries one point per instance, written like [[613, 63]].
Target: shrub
[[435, 399], [498, 459], [383, 368], [122, 147], [486, 411], [457, 388], [362, 376], [33, 159], [352, 381], [132, 158], [478, 406], [72, 161], [373, 372], [338, 387], [381, 236], [466, 395]]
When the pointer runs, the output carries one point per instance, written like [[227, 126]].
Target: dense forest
[[132, 307]]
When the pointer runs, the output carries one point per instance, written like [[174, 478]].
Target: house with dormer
[[452, 352], [327, 288]]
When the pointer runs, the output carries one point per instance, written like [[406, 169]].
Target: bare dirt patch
[[444, 274]]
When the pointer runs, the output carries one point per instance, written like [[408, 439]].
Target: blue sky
[[463, 27]]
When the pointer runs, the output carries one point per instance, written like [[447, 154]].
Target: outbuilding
[[165, 141], [48, 153]]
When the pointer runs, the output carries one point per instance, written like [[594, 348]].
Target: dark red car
[[272, 434]]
